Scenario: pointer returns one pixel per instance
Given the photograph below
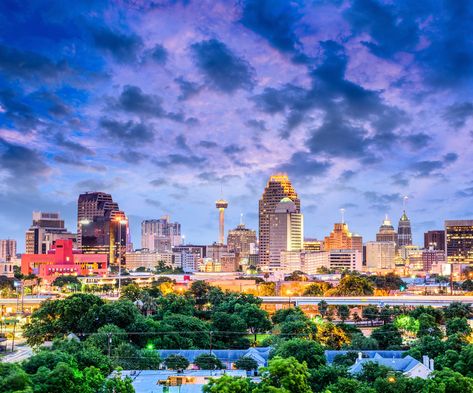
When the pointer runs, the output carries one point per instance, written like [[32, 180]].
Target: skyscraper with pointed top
[[386, 232], [278, 187], [404, 233]]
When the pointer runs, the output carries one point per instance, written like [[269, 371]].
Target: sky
[[170, 105]]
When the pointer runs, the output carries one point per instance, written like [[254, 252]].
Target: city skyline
[[356, 102]]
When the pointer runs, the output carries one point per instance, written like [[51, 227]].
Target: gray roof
[[260, 354], [330, 355], [402, 365]]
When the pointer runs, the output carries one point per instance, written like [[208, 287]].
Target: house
[[168, 381], [407, 365], [227, 356]]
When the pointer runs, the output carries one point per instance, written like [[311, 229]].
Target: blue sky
[[163, 103]]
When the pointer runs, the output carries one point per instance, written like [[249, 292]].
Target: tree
[[346, 385], [323, 308], [246, 363], [200, 290], [458, 310], [428, 326], [230, 330], [62, 281], [465, 361], [227, 384], [458, 325], [176, 362], [331, 336], [359, 341], [117, 384], [371, 313], [287, 374], [407, 324], [256, 319], [267, 289], [14, 379], [281, 315], [430, 346], [323, 376], [387, 336], [317, 289], [452, 381], [388, 282], [310, 352], [207, 361], [467, 285], [353, 285], [343, 312], [107, 338], [131, 292]]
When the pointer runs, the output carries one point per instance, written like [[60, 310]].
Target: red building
[[62, 259]]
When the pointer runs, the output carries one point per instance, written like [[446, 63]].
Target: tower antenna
[[342, 212], [404, 202], [241, 218]]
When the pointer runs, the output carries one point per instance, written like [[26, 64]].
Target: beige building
[[380, 255], [386, 232], [308, 262], [241, 241], [278, 187], [285, 232], [150, 260], [7, 249], [345, 260]]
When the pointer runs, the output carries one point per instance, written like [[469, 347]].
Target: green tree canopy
[[354, 285], [387, 336], [310, 352], [246, 363], [176, 362], [207, 361]]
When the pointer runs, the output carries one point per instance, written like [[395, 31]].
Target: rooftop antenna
[[241, 218], [342, 212], [404, 203]]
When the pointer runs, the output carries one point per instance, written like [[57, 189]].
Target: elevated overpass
[[404, 300]]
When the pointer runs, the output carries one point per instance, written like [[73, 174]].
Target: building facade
[[342, 239], [345, 260], [308, 262], [404, 231], [459, 241], [278, 187], [7, 249], [62, 259], [102, 227], [46, 228], [435, 240], [241, 241], [160, 235], [386, 232], [380, 255], [285, 232]]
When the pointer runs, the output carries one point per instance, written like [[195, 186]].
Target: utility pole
[[210, 337]]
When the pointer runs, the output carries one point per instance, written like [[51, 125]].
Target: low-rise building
[[345, 259]]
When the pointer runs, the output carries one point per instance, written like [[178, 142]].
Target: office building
[[432, 260], [285, 231], [342, 239], [150, 260], [160, 235], [345, 260], [277, 188], [380, 256], [7, 266], [459, 241], [435, 240], [45, 230], [386, 232], [62, 260], [102, 227], [7, 249], [308, 262], [241, 241], [404, 232], [313, 245]]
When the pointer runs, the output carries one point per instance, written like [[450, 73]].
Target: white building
[[285, 232], [380, 255], [160, 235], [305, 261], [150, 260], [345, 259]]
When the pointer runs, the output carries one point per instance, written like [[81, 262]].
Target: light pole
[[289, 293]]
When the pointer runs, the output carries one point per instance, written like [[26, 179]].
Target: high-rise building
[[404, 233], [44, 231], [286, 230], [459, 241], [345, 260], [432, 259], [102, 227], [342, 239], [386, 232], [160, 235], [221, 205], [278, 187], [7, 249], [380, 255], [241, 241], [434, 240]]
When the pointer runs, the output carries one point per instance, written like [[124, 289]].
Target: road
[[22, 353]]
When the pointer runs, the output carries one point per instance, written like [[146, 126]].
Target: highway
[[403, 300]]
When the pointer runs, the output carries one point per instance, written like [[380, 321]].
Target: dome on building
[[286, 206]]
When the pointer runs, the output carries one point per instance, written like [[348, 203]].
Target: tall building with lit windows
[[386, 232], [285, 232], [102, 226], [342, 239], [278, 187], [459, 241], [404, 232]]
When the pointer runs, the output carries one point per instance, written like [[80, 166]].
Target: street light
[[289, 293]]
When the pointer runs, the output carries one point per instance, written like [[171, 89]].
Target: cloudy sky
[[165, 103]]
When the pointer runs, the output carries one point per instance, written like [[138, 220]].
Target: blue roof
[[402, 365], [330, 355]]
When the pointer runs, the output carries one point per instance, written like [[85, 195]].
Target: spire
[[241, 219], [342, 212]]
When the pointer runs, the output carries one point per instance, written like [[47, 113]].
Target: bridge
[[403, 300]]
